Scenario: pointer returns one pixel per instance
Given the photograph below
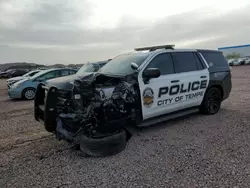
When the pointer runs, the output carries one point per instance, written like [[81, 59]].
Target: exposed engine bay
[[97, 107]]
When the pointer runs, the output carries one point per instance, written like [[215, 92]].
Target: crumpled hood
[[65, 82]]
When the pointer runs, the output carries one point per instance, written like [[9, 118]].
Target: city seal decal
[[148, 97]]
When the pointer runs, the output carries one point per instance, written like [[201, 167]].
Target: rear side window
[[64, 72], [185, 62], [163, 62], [72, 72], [214, 59]]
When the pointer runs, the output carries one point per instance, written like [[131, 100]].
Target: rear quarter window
[[215, 60]]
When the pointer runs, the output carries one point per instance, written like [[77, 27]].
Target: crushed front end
[[96, 107]]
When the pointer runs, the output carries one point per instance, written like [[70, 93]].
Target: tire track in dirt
[[8, 106], [15, 113], [22, 139]]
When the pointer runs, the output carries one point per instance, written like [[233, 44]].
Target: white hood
[[15, 79]]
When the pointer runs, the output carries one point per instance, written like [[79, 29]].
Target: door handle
[[203, 76], [175, 81]]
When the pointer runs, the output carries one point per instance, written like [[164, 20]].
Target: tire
[[29, 93], [212, 101], [101, 147]]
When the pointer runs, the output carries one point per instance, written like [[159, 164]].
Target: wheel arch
[[218, 86]]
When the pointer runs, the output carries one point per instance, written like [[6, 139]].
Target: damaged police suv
[[144, 87]]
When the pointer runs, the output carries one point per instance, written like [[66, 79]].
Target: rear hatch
[[219, 70]]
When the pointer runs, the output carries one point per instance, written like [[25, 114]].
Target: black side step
[[168, 117]]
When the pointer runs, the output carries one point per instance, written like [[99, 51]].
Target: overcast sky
[[76, 31]]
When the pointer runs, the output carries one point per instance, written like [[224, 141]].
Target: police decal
[[181, 92], [148, 97]]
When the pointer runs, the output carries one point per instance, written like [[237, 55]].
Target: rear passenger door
[[64, 72], [192, 77]]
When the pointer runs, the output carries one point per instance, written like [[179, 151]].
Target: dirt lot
[[195, 151]]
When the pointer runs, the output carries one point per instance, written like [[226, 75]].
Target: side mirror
[[134, 66], [151, 73]]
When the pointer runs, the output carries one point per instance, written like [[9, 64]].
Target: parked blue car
[[26, 88], [18, 78]]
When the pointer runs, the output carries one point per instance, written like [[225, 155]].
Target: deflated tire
[[101, 147]]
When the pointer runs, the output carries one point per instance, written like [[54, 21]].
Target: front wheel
[[212, 101], [101, 147], [29, 93]]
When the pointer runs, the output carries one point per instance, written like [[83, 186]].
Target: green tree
[[233, 55]]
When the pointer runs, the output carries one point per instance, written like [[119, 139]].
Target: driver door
[[155, 97]]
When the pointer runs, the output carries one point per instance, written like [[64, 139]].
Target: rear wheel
[[212, 101], [29, 93]]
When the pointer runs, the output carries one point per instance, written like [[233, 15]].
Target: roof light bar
[[152, 48]]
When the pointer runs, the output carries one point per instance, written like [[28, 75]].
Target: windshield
[[88, 67], [121, 65], [30, 73]]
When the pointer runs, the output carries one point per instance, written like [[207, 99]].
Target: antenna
[[152, 48]]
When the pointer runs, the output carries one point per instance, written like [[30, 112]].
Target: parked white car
[[237, 62], [230, 61], [247, 61]]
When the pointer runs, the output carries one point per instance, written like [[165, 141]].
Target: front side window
[[49, 75], [184, 62], [163, 62]]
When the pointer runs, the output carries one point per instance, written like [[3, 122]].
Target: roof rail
[[152, 48]]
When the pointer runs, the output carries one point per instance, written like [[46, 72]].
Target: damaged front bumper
[[92, 109], [45, 103]]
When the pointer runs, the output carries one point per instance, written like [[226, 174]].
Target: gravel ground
[[195, 151]]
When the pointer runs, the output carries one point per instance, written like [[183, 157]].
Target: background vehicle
[[91, 67], [26, 88], [4, 74], [18, 78], [143, 88], [230, 61], [247, 61], [236, 62], [17, 72], [85, 70]]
